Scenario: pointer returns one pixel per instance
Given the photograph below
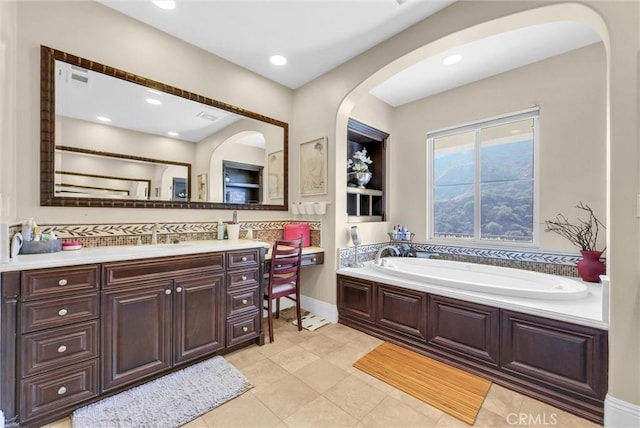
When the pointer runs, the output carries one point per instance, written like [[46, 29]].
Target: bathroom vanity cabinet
[[72, 334], [561, 363]]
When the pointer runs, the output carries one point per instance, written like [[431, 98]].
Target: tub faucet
[[154, 234], [379, 253]]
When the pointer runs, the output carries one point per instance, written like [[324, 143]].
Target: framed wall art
[[313, 167]]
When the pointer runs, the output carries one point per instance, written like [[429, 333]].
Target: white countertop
[[586, 311], [131, 252]]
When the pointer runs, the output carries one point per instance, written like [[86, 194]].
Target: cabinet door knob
[[62, 390], [62, 348], [62, 312], [244, 277], [244, 301], [244, 259], [178, 289], [62, 282], [245, 329], [313, 260], [167, 292]]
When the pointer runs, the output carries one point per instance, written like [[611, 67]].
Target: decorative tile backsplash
[[553, 263], [98, 235]]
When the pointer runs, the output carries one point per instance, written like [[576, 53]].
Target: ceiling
[[319, 35]]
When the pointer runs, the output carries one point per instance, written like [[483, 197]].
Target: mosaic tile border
[[554, 263], [110, 234]]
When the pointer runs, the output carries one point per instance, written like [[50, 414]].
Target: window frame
[[477, 126]]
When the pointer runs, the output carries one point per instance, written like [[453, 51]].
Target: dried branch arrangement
[[583, 234]]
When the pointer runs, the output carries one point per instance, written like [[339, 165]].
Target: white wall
[[93, 31], [572, 127]]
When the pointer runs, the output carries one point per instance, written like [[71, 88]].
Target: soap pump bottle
[[220, 229]]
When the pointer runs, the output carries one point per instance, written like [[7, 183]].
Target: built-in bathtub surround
[[100, 235], [563, 264]]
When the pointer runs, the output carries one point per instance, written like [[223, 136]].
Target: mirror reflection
[[123, 137]]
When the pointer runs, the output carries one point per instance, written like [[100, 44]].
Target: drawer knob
[[62, 348], [244, 277], [245, 329], [244, 258], [244, 301], [62, 312], [62, 390], [178, 289], [313, 260], [62, 282], [167, 292]]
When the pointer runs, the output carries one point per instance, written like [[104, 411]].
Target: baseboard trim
[[620, 414], [322, 309]]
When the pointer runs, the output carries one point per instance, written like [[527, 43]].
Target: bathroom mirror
[[110, 138]]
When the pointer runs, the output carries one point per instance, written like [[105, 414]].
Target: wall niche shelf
[[242, 183], [368, 204]]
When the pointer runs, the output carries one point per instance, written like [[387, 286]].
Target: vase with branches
[[584, 235]]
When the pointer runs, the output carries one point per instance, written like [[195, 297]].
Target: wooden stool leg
[[270, 319], [278, 308], [298, 311]]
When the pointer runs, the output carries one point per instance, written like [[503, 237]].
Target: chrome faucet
[[386, 247], [154, 234]]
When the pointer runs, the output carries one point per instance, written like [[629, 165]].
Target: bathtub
[[493, 280]]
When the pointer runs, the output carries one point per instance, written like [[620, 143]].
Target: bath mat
[[170, 401], [289, 314], [311, 322], [458, 393]]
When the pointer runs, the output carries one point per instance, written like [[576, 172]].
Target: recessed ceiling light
[[452, 59], [154, 101], [165, 4], [278, 60], [173, 134], [103, 118]]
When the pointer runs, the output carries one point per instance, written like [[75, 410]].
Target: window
[[482, 181]]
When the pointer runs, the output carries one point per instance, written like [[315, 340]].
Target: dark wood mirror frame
[[48, 56]]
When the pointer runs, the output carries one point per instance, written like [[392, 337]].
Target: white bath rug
[[311, 322]]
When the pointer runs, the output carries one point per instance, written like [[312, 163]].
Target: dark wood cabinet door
[[136, 335], [199, 316], [464, 328], [402, 310], [355, 298], [555, 353]]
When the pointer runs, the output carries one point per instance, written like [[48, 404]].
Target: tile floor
[[306, 379]]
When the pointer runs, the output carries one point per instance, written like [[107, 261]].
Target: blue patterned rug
[[170, 401]]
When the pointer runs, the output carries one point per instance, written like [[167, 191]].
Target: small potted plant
[[359, 166], [584, 235]]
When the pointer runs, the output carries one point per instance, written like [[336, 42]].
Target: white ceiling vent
[[207, 116], [78, 75]]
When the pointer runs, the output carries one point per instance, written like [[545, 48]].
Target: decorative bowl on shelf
[[361, 178]]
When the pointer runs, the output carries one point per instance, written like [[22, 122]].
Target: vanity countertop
[[130, 252]]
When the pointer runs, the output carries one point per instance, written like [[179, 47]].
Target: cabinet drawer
[[44, 283], [59, 347], [58, 390], [241, 329], [242, 278], [243, 300], [58, 312], [123, 273], [243, 259]]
